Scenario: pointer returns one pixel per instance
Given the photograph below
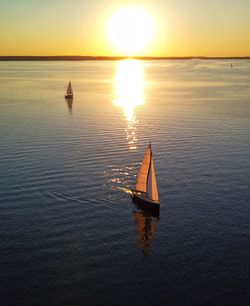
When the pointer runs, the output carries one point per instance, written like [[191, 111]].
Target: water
[[69, 232]]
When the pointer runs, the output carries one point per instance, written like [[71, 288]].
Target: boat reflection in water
[[129, 89], [70, 104], [146, 226]]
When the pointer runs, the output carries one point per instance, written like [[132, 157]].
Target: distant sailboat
[[145, 191], [69, 93]]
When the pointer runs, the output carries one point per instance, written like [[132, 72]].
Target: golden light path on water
[[129, 89]]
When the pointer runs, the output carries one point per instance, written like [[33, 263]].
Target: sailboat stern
[[144, 202]]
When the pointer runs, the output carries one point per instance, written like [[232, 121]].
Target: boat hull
[[68, 96], [144, 203]]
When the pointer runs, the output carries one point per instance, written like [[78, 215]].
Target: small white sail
[[69, 89], [141, 181], [152, 191]]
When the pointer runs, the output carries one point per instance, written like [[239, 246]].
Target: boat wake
[[126, 190]]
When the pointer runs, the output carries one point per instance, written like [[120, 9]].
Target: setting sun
[[131, 30]]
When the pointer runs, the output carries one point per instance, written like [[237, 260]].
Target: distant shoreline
[[109, 58]]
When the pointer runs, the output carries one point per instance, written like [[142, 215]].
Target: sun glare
[[129, 85], [129, 92], [131, 30]]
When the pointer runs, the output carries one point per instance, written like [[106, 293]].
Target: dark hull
[[68, 96], [147, 206]]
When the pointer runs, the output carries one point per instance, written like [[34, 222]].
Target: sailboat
[[145, 191], [69, 93]]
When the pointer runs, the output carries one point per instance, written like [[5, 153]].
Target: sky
[[79, 27]]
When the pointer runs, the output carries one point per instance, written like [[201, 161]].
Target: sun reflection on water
[[129, 89]]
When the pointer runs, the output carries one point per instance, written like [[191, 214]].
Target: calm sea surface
[[70, 234]]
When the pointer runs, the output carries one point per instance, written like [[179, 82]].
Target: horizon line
[[101, 57]]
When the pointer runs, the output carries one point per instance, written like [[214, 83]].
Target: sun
[[131, 30]]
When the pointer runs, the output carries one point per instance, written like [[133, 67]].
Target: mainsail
[[141, 182], [69, 89], [146, 180]]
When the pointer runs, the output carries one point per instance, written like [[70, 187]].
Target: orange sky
[[79, 27]]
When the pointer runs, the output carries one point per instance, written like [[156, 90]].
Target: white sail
[[69, 89], [152, 191], [141, 181]]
